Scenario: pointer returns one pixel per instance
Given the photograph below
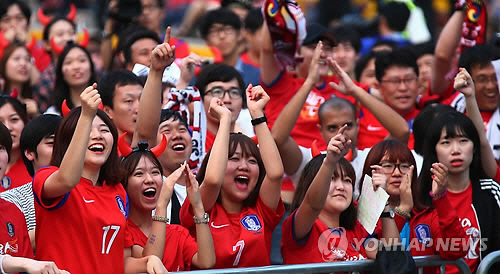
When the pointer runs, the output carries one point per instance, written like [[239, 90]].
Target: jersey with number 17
[[84, 231]]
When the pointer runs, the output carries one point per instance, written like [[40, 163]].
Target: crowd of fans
[[152, 136]]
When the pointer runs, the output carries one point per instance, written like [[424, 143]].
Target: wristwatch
[[389, 214], [201, 220]]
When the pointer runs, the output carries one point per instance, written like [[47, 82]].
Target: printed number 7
[[241, 244], [106, 229]]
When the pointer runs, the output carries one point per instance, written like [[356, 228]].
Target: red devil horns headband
[[126, 150], [4, 43], [45, 20], [65, 109], [83, 43]]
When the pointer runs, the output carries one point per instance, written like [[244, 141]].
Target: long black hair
[[61, 87], [455, 124], [342, 169]]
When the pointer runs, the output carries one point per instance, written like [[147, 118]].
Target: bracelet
[[160, 219], [439, 196], [402, 213], [259, 120], [1, 263]]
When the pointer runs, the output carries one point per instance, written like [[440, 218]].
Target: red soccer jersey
[[462, 203], [306, 127], [371, 131], [84, 231], [180, 247], [14, 239], [436, 231], [323, 244], [209, 141], [241, 239], [17, 176]]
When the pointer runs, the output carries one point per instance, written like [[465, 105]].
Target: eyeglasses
[[227, 30], [388, 168], [234, 93], [397, 81], [484, 80]]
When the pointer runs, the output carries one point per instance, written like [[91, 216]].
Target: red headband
[[45, 20], [83, 43], [126, 150], [65, 109]]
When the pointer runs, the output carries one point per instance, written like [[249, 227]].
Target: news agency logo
[[332, 244]]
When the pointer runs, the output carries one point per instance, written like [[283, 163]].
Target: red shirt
[[462, 203], [16, 176], [371, 131], [245, 59], [42, 58], [180, 247], [14, 239], [84, 231], [240, 239], [181, 49], [434, 229], [323, 244], [209, 141], [306, 127]]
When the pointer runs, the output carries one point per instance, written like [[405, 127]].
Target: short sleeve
[[38, 182], [271, 217]]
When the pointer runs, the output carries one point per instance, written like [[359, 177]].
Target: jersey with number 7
[[240, 239]]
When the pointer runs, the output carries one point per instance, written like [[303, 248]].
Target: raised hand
[[167, 188], [193, 190], [439, 178], [345, 85], [379, 178], [338, 146], [31, 107], [405, 194], [463, 83], [163, 55], [90, 100], [188, 67], [313, 74], [257, 99], [217, 109]]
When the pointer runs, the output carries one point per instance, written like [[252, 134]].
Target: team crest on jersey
[[10, 229], [251, 223], [6, 182], [423, 233], [121, 205]]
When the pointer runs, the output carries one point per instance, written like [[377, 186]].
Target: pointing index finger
[[167, 35], [342, 129]]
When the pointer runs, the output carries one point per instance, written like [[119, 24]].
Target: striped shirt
[[22, 197]]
